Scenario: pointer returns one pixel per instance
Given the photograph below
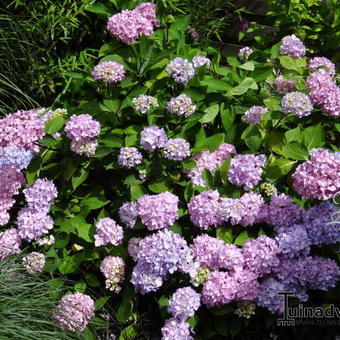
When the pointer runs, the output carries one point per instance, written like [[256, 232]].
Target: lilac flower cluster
[[317, 62], [245, 52], [16, 156], [41, 195], [82, 130], [128, 214], [284, 85], [254, 114], [324, 92], [181, 105], [152, 138], [184, 303], [199, 61], [210, 161], [297, 103], [158, 255], [23, 129], [180, 70], [291, 45], [74, 312], [318, 177], [133, 246], [108, 232], [204, 209], [129, 157], [176, 329], [246, 170], [158, 211], [176, 149], [33, 220], [34, 262], [113, 268], [282, 212], [109, 72], [321, 224], [10, 242], [11, 180], [129, 25], [144, 103]]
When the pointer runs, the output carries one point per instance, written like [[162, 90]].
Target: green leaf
[[70, 264], [111, 105], [210, 114], [252, 137], [276, 142], [102, 9], [233, 61], [210, 143], [224, 234], [92, 280], [248, 66], [313, 137], [221, 325], [99, 303], [126, 306], [159, 186], [85, 231], [295, 150], [242, 238], [128, 333], [79, 178], [95, 200], [262, 72], [279, 168], [137, 191], [273, 103], [243, 87], [208, 178], [54, 125], [294, 135], [215, 84]]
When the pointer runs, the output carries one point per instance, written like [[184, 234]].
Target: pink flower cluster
[[22, 128], [10, 243], [129, 25], [158, 211], [317, 62], [152, 138], [11, 180], [108, 232], [74, 312], [210, 161], [291, 45], [246, 170], [324, 92], [113, 268], [109, 72], [318, 178], [254, 114], [82, 130], [284, 85]]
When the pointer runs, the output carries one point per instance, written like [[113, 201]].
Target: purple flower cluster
[[11, 180], [82, 130], [282, 212], [180, 70], [291, 45], [322, 223], [210, 161], [152, 138], [23, 129], [224, 287], [324, 92], [109, 72], [158, 255], [158, 211], [284, 85], [108, 232], [74, 312], [10, 243], [34, 262], [297, 103], [204, 209], [184, 303], [317, 62], [176, 149], [254, 114], [129, 25], [113, 268], [16, 156], [33, 220], [318, 178], [181, 105], [128, 214], [144, 103], [199, 61], [246, 170], [41, 195], [133, 246], [245, 52], [176, 329], [129, 157]]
